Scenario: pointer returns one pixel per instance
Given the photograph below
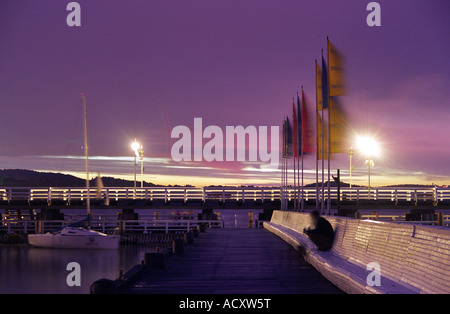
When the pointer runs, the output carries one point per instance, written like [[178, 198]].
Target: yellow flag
[[321, 139], [339, 127], [319, 87], [335, 71]]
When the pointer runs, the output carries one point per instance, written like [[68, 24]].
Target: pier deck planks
[[226, 261]]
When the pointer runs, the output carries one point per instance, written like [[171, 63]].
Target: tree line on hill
[[31, 178]]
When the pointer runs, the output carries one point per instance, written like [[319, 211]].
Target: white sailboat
[[74, 238], [77, 235]]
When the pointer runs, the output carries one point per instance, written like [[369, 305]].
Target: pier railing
[[109, 224], [223, 195]]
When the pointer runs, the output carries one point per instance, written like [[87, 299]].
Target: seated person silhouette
[[322, 235]]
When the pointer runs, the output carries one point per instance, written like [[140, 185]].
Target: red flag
[[295, 126], [307, 132]]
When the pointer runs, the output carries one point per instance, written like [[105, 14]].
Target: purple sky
[[148, 66]]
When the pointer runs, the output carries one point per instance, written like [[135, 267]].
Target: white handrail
[[105, 225], [221, 194]]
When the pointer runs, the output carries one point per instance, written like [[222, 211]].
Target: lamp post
[[370, 164], [135, 147], [369, 147], [141, 157], [351, 153]]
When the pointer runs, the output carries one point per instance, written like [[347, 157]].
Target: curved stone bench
[[412, 258]]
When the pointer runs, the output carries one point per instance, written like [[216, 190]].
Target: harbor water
[[29, 270], [25, 269]]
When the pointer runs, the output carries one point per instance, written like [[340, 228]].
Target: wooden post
[[338, 190], [107, 197], [38, 227], [250, 219], [440, 219], [177, 246], [154, 260], [194, 232], [189, 237], [103, 286], [121, 226]]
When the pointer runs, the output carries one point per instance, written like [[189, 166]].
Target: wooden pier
[[232, 261], [57, 197]]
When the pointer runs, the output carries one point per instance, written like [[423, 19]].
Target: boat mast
[[88, 203]]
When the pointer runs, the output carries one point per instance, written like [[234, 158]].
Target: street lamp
[[135, 147], [351, 153], [369, 147], [141, 157]]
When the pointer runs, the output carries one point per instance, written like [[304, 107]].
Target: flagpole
[[303, 143], [286, 192], [317, 144], [282, 156], [282, 183], [323, 146], [282, 167], [295, 136], [299, 142], [295, 187], [323, 161], [285, 165], [329, 128]]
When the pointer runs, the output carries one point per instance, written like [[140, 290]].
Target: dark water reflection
[[28, 270], [24, 269]]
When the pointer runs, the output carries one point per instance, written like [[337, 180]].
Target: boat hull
[[59, 241]]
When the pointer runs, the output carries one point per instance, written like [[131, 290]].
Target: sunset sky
[[147, 66]]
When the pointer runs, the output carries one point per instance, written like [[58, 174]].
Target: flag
[[307, 141], [324, 84], [299, 126], [283, 142], [339, 127], [322, 139], [287, 138], [318, 86], [336, 80], [296, 128]]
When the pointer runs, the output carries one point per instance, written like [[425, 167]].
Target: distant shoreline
[[33, 178]]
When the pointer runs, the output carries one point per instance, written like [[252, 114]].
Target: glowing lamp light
[[135, 145], [368, 146]]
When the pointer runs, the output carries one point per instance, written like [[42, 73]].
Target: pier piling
[[189, 237], [178, 246], [103, 286], [154, 260]]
